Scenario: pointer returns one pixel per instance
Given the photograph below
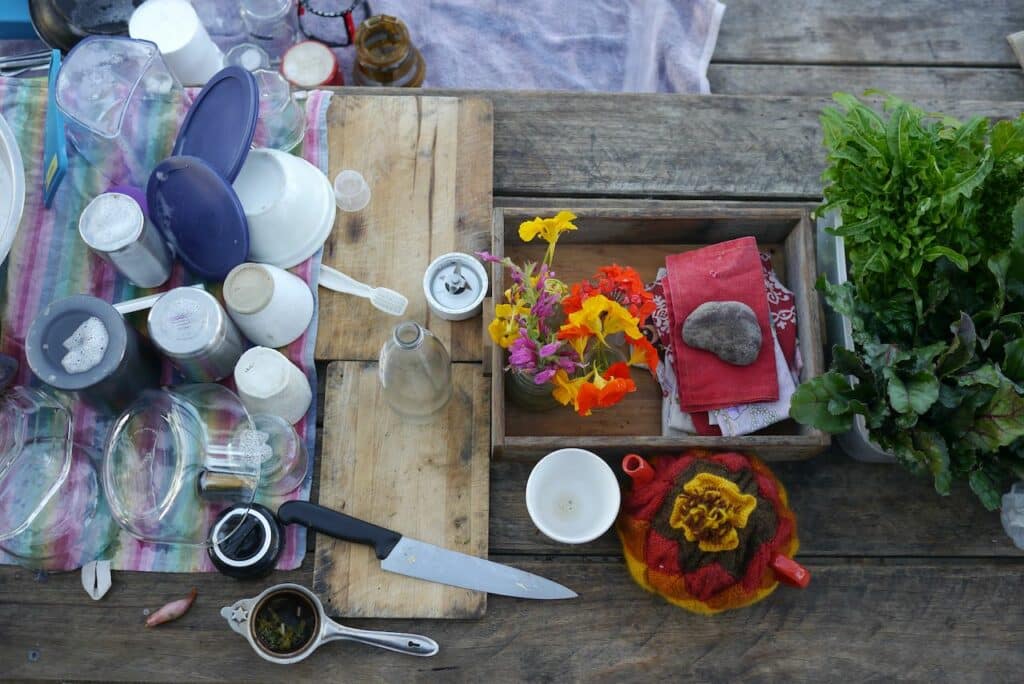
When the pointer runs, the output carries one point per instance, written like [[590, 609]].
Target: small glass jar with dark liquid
[[385, 55]]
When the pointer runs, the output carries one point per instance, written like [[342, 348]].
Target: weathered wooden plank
[[947, 83], [665, 146], [843, 507], [880, 620], [870, 31]]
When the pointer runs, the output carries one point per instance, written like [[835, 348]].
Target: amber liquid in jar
[[385, 56]]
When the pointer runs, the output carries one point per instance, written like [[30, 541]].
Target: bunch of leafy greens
[[933, 223]]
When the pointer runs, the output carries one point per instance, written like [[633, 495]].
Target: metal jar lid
[[454, 285]]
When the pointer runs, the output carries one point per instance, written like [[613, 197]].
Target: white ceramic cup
[[187, 48], [271, 306], [269, 383], [288, 204], [572, 496]]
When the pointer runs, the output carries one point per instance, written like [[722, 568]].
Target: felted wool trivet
[[708, 531]]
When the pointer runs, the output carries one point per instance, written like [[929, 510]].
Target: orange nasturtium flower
[[594, 390], [600, 317]]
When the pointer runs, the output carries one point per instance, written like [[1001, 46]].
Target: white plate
[[12, 188]]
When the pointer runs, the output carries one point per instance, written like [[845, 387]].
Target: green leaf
[[848, 363], [998, 423], [922, 391], [961, 349], [1013, 361], [966, 183], [933, 446], [937, 251], [987, 375], [986, 490], [899, 398], [810, 403]]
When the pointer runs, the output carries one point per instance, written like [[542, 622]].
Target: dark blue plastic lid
[[221, 122], [199, 214]]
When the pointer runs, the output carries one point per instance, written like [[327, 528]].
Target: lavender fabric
[[591, 45]]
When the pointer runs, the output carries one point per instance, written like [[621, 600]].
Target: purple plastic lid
[[222, 121], [199, 214]]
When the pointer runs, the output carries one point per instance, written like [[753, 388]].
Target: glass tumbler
[[114, 92], [282, 121], [415, 371], [272, 24]]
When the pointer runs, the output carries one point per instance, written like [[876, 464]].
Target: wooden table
[[906, 584]]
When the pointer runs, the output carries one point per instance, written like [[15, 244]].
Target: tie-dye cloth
[[48, 261]]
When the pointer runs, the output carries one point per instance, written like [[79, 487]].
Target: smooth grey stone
[[729, 330]]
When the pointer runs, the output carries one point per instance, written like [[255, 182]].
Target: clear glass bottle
[[415, 371]]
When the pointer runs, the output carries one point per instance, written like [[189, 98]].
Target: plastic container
[[187, 48], [272, 24], [572, 496], [271, 306], [178, 457], [288, 204], [109, 89], [50, 507], [832, 259], [282, 121], [351, 191], [415, 372]]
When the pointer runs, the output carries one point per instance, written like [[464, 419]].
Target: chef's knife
[[418, 559]]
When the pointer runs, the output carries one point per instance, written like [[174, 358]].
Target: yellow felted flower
[[710, 510]]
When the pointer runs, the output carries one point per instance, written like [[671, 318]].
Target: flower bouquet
[[571, 344]]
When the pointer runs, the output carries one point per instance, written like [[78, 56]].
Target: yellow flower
[[566, 390], [601, 317], [710, 510], [548, 229], [503, 329]]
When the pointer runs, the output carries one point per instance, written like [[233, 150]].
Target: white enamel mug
[[271, 306], [572, 496], [269, 383]]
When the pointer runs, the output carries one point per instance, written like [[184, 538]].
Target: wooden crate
[[641, 235]]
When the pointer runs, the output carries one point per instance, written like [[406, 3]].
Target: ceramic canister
[[271, 306], [82, 344], [269, 383], [191, 328]]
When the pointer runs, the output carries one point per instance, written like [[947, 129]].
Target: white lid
[[309, 64], [111, 221], [185, 321]]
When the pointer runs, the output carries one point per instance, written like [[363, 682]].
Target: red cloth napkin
[[727, 271]]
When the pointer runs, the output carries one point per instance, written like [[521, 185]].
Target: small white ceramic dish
[[572, 496]]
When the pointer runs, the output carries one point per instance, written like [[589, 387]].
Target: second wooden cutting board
[[428, 161], [426, 480]]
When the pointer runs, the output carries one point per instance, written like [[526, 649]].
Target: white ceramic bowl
[[572, 496], [289, 205]]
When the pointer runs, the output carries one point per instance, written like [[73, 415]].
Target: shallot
[[171, 611]]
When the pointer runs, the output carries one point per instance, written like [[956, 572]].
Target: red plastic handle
[[788, 571], [637, 468]]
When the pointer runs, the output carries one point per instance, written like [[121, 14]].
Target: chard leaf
[[899, 397], [922, 391], [961, 350], [810, 403], [985, 488], [1000, 422], [933, 446], [1013, 361]]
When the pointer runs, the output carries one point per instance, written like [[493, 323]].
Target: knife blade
[[412, 558]]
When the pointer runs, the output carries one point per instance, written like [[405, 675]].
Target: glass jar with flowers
[[570, 345]]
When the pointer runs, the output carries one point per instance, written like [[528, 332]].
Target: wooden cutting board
[[427, 480], [428, 161]]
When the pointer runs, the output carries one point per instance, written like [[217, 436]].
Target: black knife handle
[[339, 526]]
